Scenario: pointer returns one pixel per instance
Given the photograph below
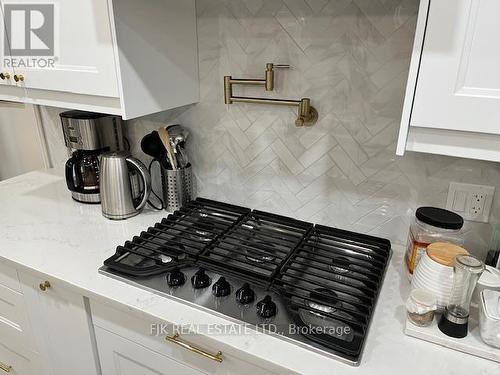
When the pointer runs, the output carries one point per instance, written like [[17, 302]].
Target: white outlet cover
[[472, 202]]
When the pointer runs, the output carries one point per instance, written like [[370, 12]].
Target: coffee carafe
[[118, 181], [82, 175]]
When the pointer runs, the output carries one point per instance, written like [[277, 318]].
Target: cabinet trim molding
[[411, 86]]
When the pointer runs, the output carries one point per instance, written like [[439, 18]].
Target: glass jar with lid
[[431, 224], [420, 307]]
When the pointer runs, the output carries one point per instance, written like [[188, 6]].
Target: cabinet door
[[120, 356], [458, 86], [15, 363], [61, 327], [6, 71], [76, 35]]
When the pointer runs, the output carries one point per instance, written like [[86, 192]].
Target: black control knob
[[200, 279], [266, 308], [175, 278], [221, 288], [245, 294]]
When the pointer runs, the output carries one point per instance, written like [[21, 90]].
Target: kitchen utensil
[[466, 272], [182, 158], [489, 317], [176, 131], [117, 197], [152, 145], [165, 139], [178, 136], [434, 272], [177, 187], [490, 279]]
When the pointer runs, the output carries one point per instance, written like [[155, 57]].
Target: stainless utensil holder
[[177, 187]]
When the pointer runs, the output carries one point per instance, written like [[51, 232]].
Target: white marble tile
[[348, 167], [351, 58]]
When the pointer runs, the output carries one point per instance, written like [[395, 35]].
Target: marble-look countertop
[[44, 231]]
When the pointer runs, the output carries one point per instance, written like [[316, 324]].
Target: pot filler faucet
[[307, 115]]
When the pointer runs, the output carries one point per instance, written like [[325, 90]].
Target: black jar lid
[[439, 217]]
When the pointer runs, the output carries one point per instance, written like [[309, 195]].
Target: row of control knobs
[[266, 308]]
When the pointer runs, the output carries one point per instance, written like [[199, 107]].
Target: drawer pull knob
[[44, 286], [18, 77], [4, 76], [214, 357], [5, 368]]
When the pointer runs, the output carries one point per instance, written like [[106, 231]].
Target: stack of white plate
[[436, 278]]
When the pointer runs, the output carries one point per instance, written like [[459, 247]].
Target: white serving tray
[[471, 344]]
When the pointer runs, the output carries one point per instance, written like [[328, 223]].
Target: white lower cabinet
[[15, 363], [48, 328], [17, 350], [127, 347], [61, 327], [120, 356]]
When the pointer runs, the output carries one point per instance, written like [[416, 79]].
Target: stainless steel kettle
[[117, 194]]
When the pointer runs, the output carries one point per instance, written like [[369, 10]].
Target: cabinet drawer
[[14, 326], [124, 357], [17, 363], [9, 278], [138, 330]]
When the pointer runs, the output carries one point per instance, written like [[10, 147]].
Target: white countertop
[[42, 229]]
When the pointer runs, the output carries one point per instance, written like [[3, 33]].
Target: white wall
[[21, 148], [351, 58]]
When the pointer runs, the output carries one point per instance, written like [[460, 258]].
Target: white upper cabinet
[[452, 103], [124, 57], [6, 73], [84, 61]]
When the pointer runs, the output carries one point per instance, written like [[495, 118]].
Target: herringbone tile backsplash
[[351, 58]]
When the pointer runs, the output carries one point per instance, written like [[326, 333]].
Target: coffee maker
[[87, 135]]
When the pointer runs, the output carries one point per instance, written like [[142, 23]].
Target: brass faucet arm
[[248, 99], [307, 114], [246, 81]]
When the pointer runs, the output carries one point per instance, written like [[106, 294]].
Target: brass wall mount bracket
[[307, 115]]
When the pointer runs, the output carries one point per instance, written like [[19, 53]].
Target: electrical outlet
[[472, 202]]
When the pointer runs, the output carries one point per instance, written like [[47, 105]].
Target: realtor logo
[[29, 29]]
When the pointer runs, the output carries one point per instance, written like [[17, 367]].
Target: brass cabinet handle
[[18, 77], [5, 75], [214, 357], [5, 368], [44, 286]]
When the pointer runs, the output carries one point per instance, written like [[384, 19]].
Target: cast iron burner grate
[[332, 281], [257, 246], [179, 237]]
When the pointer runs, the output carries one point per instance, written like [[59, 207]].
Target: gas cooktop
[[311, 284]]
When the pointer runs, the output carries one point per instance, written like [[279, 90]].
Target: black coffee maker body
[[87, 135]]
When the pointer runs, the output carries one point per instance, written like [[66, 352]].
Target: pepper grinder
[[466, 272]]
